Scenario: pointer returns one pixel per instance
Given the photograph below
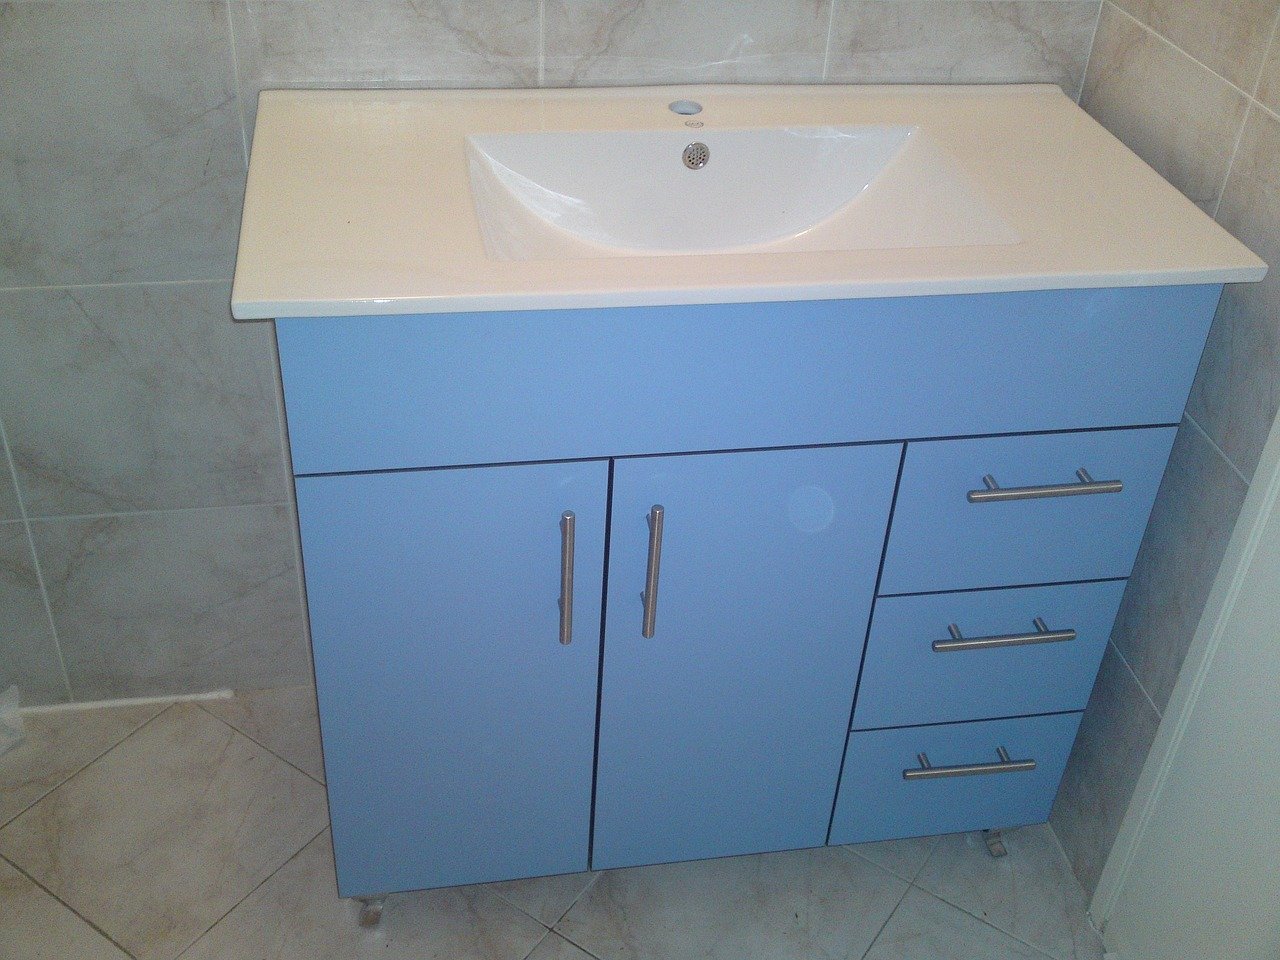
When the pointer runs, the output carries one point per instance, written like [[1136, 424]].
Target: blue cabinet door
[[458, 730], [722, 733]]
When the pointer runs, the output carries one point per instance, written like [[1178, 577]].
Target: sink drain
[[695, 156]]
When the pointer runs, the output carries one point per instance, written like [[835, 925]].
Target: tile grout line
[[542, 50], [35, 561], [85, 766], [1231, 165], [74, 912], [892, 913], [1217, 449], [1266, 55], [1093, 42], [235, 80], [258, 743], [110, 514], [256, 887], [37, 287], [1134, 674], [826, 50], [985, 922]]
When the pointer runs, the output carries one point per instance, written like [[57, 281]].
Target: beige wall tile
[[1228, 36], [1269, 84], [1179, 117], [28, 652], [1237, 389], [138, 398], [958, 41], [182, 602], [668, 41]]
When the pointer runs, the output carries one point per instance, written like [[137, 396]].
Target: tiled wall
[[1193, 86], [151, 550]]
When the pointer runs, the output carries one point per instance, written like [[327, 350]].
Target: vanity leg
[[995, 843], [371, 910]]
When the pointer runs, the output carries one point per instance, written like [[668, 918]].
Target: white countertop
[[358, 203]]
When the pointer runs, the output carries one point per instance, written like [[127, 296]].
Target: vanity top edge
[[357, 203]]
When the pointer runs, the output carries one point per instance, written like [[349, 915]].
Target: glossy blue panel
[[377, 393], [458, 731], [905, 681], [941, 541], [722, 733], [876, 803]]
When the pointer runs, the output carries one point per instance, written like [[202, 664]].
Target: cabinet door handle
[[994, 493], [651, 574], [567, 521], [1042, 634], [927, 771]]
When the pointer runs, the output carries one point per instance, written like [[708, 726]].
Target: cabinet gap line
[[954, 723], [604, 612], [717, 451], [866, 638], [1009, 586]]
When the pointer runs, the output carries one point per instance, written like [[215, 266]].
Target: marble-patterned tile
[[806, 903], [121, 157], [1237, 389], [138, 398], [1228, 36], [596, 42], [959, 41], [297, 915], [1194, 514], [397, 43], [1269, 83], [1115, 737], [149, 604], [57, 745], [166, 833], [555, 947], [546, 899], [1029, 894], [925, 928], [282, 719], [35, 926], [28, 651], [904, 858], [1177, 115]]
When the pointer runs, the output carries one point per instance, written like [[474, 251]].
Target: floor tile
[[162, 836], [806, 903], [925, 928], [546, 899], [1030, 894], [297, 915], [56, 745], [554, 947], [901, 857], [35, 926], [282, 719]]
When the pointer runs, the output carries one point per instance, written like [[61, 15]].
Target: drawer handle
[[567, 523], [959, 641], [927, 771], [994, 493], [650, 596]]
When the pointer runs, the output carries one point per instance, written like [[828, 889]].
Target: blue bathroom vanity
[[603, 571]]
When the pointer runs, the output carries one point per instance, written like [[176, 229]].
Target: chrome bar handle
[[994, 493], [1043, 634], [1006, 764], [567, 523], [650, 596]]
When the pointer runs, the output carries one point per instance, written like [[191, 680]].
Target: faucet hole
[[686, 108]]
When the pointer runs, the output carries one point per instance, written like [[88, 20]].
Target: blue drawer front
[[876, 803], [379, 393], [905, 681], [941, 541]]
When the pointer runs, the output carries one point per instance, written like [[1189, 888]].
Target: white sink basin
[[571, 194]]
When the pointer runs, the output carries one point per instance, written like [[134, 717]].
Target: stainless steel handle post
[[567, 523], [927, 771], [994, 493], [650, 597], [1042, 634]]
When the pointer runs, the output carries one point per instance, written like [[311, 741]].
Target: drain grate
[[695, 155]]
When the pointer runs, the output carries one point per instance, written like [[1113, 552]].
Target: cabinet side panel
[[458, 731]]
